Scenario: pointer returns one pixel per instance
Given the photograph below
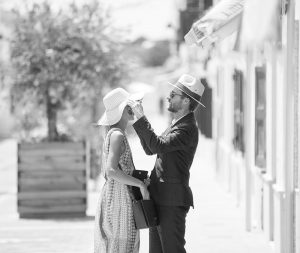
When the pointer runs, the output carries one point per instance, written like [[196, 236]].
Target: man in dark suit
[[175, 149]]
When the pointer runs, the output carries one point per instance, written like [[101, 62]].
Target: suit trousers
[[168, 237]]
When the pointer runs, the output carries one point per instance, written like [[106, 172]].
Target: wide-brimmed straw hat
[[114, 102], [191, 86]]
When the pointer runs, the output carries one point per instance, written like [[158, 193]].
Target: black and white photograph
[[149, 126]]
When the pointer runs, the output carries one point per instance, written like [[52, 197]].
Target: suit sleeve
[[177, 139], [145, 147]]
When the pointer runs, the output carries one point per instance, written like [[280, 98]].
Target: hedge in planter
[[52, 179]]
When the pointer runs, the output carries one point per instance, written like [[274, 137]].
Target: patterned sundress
[[114, 224]]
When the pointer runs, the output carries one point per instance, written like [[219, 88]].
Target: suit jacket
[[175, 150]]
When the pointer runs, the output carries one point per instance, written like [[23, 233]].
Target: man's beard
[[172, 109]]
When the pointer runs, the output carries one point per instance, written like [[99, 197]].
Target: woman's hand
[[147, 181], [145, 192]]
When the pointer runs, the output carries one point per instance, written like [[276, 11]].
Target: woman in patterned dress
[[115, 230]]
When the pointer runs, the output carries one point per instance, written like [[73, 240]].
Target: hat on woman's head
[[191, 86], [114, 102]]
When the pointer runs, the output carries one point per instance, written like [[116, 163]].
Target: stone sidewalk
[[216, 225]]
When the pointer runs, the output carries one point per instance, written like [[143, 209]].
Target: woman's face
[[128, 113]]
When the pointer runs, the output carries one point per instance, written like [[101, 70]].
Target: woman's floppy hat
[[114, 102]]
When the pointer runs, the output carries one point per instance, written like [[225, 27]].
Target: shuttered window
[[260, 116], [238, 140]]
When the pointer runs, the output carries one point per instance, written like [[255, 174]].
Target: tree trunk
[[95, 145], [52, 120]]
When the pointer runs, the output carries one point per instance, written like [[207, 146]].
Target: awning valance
[[221, 21]]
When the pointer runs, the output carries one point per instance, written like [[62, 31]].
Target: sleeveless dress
[[115, 230]]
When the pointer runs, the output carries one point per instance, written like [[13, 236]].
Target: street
[[215, 225]]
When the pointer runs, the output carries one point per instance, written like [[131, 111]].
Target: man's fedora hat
[[191, 86], [114, 102]]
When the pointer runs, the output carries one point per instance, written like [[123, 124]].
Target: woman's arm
[[112, 169]]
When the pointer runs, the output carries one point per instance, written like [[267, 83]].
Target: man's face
[[175, 99]]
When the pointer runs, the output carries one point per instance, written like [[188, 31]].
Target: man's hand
[[137, 108]]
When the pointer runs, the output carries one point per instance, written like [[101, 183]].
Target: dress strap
[[106, 145], [116, 129], [107, 138]]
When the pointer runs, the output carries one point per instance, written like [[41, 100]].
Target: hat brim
[[174, 85], [113, 116], [136, 96]]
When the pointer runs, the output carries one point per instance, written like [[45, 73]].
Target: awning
[[221, 21]]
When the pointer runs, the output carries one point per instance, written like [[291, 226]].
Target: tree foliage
[[63, 59]]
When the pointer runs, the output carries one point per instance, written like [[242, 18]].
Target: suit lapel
[[188, 117]]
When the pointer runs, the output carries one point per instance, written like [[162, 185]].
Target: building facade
[[254, 75]]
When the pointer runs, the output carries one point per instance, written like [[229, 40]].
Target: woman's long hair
[[102, 139]]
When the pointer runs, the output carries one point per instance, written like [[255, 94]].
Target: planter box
[[52, 179]]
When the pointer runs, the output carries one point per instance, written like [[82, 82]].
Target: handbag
[[144, 211], [141, 175], [145, 214]]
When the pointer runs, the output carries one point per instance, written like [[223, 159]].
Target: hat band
[[188, 92]]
